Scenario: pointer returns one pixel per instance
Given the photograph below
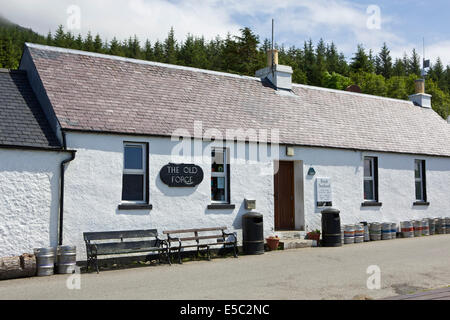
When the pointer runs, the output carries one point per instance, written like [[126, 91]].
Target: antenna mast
[[273, 47], [423, 62]]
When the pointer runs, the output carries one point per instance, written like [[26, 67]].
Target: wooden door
[[284, 196]]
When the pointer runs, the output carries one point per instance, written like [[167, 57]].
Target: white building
[[375, 159]]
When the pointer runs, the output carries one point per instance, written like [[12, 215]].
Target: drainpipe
[[61, 189]]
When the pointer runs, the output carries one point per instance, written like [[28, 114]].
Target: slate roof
[[103, 93], [22, 121]]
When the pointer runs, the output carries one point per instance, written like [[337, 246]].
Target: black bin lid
[[251, 215], [330, 211]]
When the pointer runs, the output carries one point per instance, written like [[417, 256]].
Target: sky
[[401, 24]]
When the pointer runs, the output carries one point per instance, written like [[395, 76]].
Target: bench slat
[[197, 238], [127, 234], [193, 230], [124, 247]]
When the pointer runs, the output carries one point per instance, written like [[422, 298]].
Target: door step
[[297, 243], [290, 235]]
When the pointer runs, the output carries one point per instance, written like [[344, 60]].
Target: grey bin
[[331, 228], [253, 233]]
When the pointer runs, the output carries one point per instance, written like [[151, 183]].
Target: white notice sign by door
[[324, 193]]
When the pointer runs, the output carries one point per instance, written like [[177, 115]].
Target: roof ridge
[[350, 93], [138, 61]]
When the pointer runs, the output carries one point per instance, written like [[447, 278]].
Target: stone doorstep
[[297, 243], [290, 235]]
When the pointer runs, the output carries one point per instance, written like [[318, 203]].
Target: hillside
[[318, 65]]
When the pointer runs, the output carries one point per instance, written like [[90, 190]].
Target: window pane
[[218, 189], [419, 195], [417, 169], [367, 167], [133, 187], [218, 160], [133, 157], [368, 190]]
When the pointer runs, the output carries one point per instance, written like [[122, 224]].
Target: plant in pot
[[273, 242], [313, 235]]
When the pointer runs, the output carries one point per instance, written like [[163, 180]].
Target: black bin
[[253, 233], [331, 228]]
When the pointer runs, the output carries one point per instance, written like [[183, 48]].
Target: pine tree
[[437, 74], [332, 58], [215, 53], [414, 65], [98, 44], [88, 44], [49, 39], [247, 51], [59, 39], [319, 67], [384, 62], [447, 79], [361, 61], [135, 48], [170, 48], [78, 44], [371, 57], [115, 48], [158, 51], [399, 68], [148, 51], [230, 58], [309, 61]]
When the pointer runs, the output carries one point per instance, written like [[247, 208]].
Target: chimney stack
[[280, 76], [420, 98]]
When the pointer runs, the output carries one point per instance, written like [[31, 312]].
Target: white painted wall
[[396, 185], [29, 200], [94, 188]]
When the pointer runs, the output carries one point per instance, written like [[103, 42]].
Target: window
[[134, 181], [419, 175], [371, 179], [220, 191]]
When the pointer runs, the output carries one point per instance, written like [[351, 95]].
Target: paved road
[[407, 266]]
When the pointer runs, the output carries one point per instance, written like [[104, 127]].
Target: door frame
[[276, 194]]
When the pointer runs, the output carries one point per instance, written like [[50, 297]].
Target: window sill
[[136, 206], [221, 206], [421, 203], [371, 204]]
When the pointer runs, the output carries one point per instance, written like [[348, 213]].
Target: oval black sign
[[181, 175]]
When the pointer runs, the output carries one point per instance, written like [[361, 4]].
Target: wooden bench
[[183, 236], [122, 247]]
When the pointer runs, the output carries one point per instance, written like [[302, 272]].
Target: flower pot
[[272, 243], [314, 236]]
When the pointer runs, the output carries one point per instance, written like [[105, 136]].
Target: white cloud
[[146, 18], [344, 22]]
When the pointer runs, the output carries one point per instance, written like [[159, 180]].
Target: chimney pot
[[271, 53], [353, 88], [420, 86]]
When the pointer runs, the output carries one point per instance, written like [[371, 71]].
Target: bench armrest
[[234, 234], [164, 243], [91, 249]]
